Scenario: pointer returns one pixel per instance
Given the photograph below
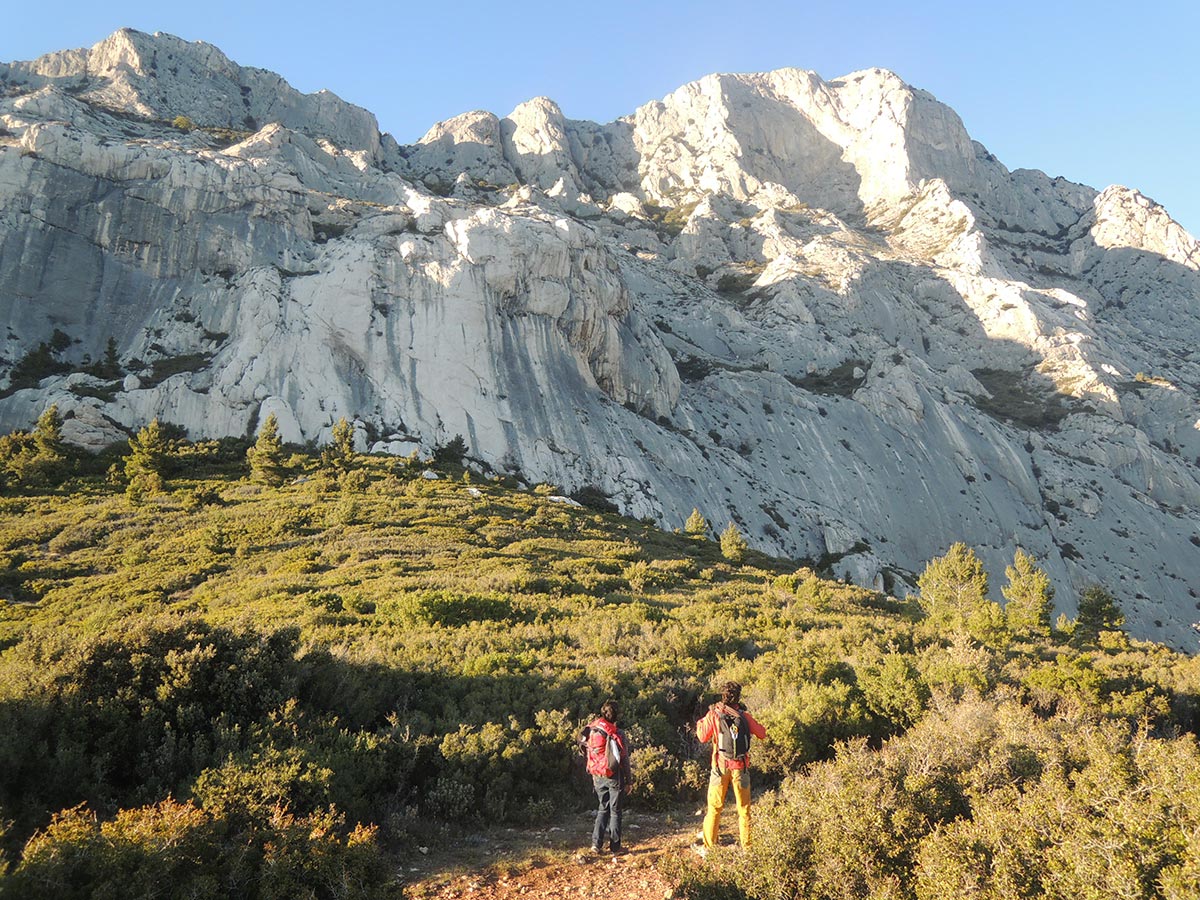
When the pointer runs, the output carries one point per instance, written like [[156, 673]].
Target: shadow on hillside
[[437, 700], [800, 157], [936, 324], [119, 727]]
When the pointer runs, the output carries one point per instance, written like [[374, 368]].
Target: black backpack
[[733, 735]]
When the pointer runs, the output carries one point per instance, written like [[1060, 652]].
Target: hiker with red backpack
[[607, 754], [728, 726]]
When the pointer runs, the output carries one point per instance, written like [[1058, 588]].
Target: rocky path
[[554, 862]]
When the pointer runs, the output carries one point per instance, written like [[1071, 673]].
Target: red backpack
[[604, 748]]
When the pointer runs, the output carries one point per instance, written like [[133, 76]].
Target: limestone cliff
[[816, 308]]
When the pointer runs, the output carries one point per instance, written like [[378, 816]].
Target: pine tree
[[1098, 611], [47, 435], [452, 452], [339, 452], [733, 545], [696, 525], [147, 461], [266, 456], [111, 367], [987, 625], [1029, 596], [953, 587], [35, 459], [45, 457]]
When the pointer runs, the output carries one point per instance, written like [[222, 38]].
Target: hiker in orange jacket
[[607, 753], [728, 726]]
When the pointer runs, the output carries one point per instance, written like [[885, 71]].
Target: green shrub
[[980, 799], [738, 282], [250, 786], [451, 609], [183, 849], [1016, 397], [147, 708], [657, 776], [894, 690], [199, 497], [355, 482]]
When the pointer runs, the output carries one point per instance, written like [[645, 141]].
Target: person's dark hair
[[610, 710], [731, 693]]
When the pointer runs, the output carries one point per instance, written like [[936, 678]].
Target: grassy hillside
[[230, 687]]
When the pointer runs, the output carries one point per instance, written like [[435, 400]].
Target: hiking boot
[[617, 850]]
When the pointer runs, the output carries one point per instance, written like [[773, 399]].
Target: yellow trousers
[[718, 787]]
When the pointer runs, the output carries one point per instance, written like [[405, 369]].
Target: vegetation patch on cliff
[[1017, 400]]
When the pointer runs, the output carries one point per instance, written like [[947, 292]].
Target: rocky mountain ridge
[[816, 308]]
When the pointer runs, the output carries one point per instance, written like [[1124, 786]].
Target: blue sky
[[1098, 95]]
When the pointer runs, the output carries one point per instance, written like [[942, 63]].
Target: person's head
[[609, 710], [731, 693]]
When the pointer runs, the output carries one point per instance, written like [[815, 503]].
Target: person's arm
[[755, 728], [705, 727]]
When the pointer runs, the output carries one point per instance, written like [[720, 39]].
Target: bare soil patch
[[555, 861]]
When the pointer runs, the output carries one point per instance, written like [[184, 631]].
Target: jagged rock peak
[[162, 76], [857, 146], [1127, 218], [847, 144], [478, 125]]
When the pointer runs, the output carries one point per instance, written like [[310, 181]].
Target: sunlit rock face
[[814, 308]]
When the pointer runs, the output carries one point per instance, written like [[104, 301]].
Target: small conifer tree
[[147, 461], [733, 545], [452, 452], [45, 461], [35, 459], [1029, 596], [339, 453], [111, 367], [1098, 611], [988, 626], [696, 525], [266, 456], [47, 435], [953, 587]]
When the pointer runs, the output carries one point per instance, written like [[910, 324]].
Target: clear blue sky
[[1096, 92]]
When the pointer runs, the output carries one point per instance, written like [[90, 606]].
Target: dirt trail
[[555, 862]]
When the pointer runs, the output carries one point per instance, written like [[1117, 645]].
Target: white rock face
[[815, 308], [160, 77]]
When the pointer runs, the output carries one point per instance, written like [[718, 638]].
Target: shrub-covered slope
[[216, 683]]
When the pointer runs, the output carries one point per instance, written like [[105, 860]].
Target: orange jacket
[[707, 731]]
